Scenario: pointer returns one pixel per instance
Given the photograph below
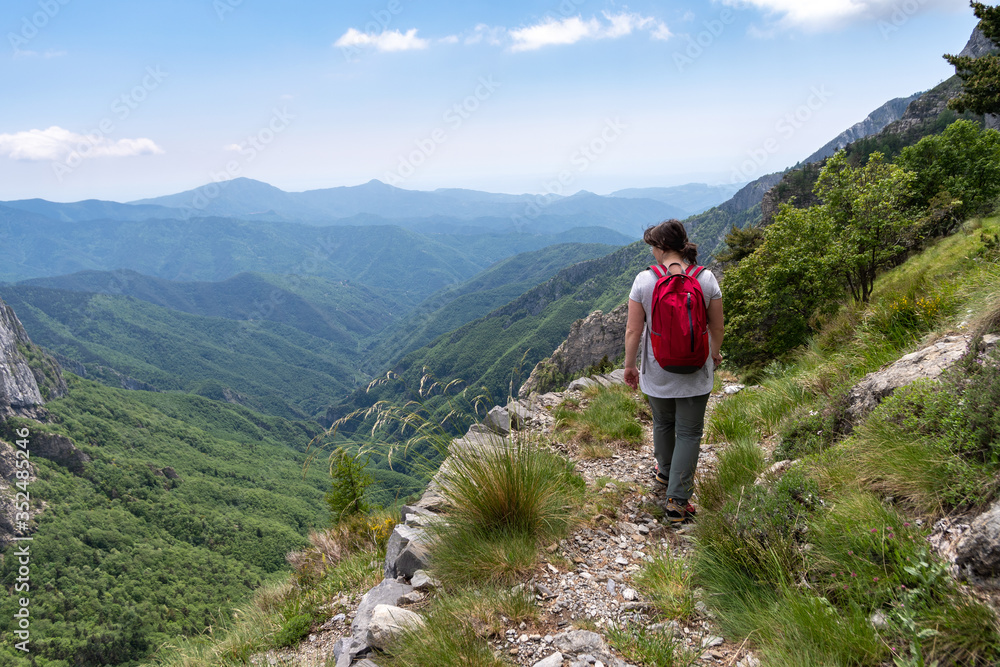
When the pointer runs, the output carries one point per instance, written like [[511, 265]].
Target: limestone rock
[[554, 660], [578, 641], [519, 414], [389, 592], [580, 384], [389, 622], [590, 340], [61, 450], [346, 648], [978, 551], [928, 362], [19, 393], [401, 537], [498, 421], [414, 556], [423, 581]]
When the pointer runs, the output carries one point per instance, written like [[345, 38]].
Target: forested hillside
[[186, 506]]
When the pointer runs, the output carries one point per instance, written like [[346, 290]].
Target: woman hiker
[[677, 400]]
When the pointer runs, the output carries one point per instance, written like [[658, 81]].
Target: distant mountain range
[[448, 210]]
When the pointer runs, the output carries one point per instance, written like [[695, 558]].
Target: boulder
[[554, 660], [388, 591], [928, 362], [389, 622], [423, 581], [579, 641], [60, 449], [414, 556], [346, 649], [519, 414], [498, 421], [978, 550], [401, 536], [617, 376], [580, 384]]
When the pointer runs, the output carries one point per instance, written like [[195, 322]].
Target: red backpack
[[679, 321]]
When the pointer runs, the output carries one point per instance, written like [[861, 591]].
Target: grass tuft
[[506, 498]]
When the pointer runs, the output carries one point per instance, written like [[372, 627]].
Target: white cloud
[[482, 32], [20, 53], [827, 14], [55, 143], [385, 41], [571, 30]]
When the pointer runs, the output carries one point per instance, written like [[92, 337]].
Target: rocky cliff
[[889, 112], [19, 394], [593, 339]]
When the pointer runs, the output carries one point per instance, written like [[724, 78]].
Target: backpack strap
[[694, 271], [659, 270]]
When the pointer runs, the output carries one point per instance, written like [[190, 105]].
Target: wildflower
[[906, 525], [850, 553], [854, 574], [874, 530], [874, 578]]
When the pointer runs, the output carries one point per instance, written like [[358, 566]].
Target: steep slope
[[123, 341], [692, 197], [708, 229], [338, 311], [495, 353], [889, 112], [185, 507], [454, 306]]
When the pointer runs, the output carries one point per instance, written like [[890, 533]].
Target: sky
[[122, 100]]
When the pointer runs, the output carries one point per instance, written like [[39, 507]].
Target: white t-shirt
[[653, 380]]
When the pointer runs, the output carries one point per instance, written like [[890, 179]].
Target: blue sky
[[121, 100]]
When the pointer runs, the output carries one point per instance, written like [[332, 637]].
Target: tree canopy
[[980, 76]]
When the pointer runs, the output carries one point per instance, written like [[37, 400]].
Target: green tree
[[740, 243], [809, 257], [868, 208], [980, 76], [963, 161], [349, 482], [772, 295]]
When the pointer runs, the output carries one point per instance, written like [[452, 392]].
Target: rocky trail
[[584, 584]]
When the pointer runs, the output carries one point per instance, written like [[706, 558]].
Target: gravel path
[[587, 579]]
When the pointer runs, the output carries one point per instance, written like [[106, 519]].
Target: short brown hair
[[671, 235]]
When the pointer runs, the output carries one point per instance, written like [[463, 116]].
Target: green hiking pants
[[677, 427]]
